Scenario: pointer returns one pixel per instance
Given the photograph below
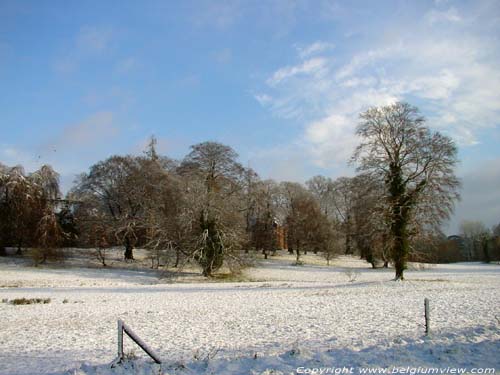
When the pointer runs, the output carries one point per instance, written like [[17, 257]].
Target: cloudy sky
[[281, 81]]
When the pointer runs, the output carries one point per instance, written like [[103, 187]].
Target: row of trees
[[479, 242], [210, 209]]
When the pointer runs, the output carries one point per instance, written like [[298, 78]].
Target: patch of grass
[[229, 278], [130, 356], [27, 301]]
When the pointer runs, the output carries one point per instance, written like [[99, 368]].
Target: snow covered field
[[285, 319]]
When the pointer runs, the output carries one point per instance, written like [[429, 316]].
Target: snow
[[283, 317]]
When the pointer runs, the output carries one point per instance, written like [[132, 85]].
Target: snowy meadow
[[276, 318]]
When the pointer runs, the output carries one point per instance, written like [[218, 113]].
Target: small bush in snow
[[31, 301]]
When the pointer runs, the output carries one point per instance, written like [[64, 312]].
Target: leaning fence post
[[123, 328], [120, 340], [427, 317]]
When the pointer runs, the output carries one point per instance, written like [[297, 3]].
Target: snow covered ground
[[285, 319]]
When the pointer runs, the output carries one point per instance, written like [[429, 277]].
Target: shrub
[[30, 301]]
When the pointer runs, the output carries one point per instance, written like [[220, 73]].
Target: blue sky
[[282, 82]]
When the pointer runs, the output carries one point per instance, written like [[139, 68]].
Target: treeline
[[475, 242], [209, 209]]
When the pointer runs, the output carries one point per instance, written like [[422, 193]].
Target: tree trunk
[[400, 202], [487, 258], [348, 247], [3, 252], [367, 254], [207, 271], [177, 257], [129, 249], [400, 247]]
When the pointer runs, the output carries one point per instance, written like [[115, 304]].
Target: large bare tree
[[111, 192], [214, 183], [416, 165]]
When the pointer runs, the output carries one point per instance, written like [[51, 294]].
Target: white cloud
[[314, 49], [363, 59], [452, 76], [440, 86], [315, 66], [449, 15], [263, 99], [333, 139]]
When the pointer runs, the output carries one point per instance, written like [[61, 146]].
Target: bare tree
[[414, 163], [369, 219], [495, 230], [135, 200], [322, 188], [343, 199], [307, 226], [115, 188], [214, 180]]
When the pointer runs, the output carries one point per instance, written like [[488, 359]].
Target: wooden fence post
[[427, 317], [120, 340], [122, 327]]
